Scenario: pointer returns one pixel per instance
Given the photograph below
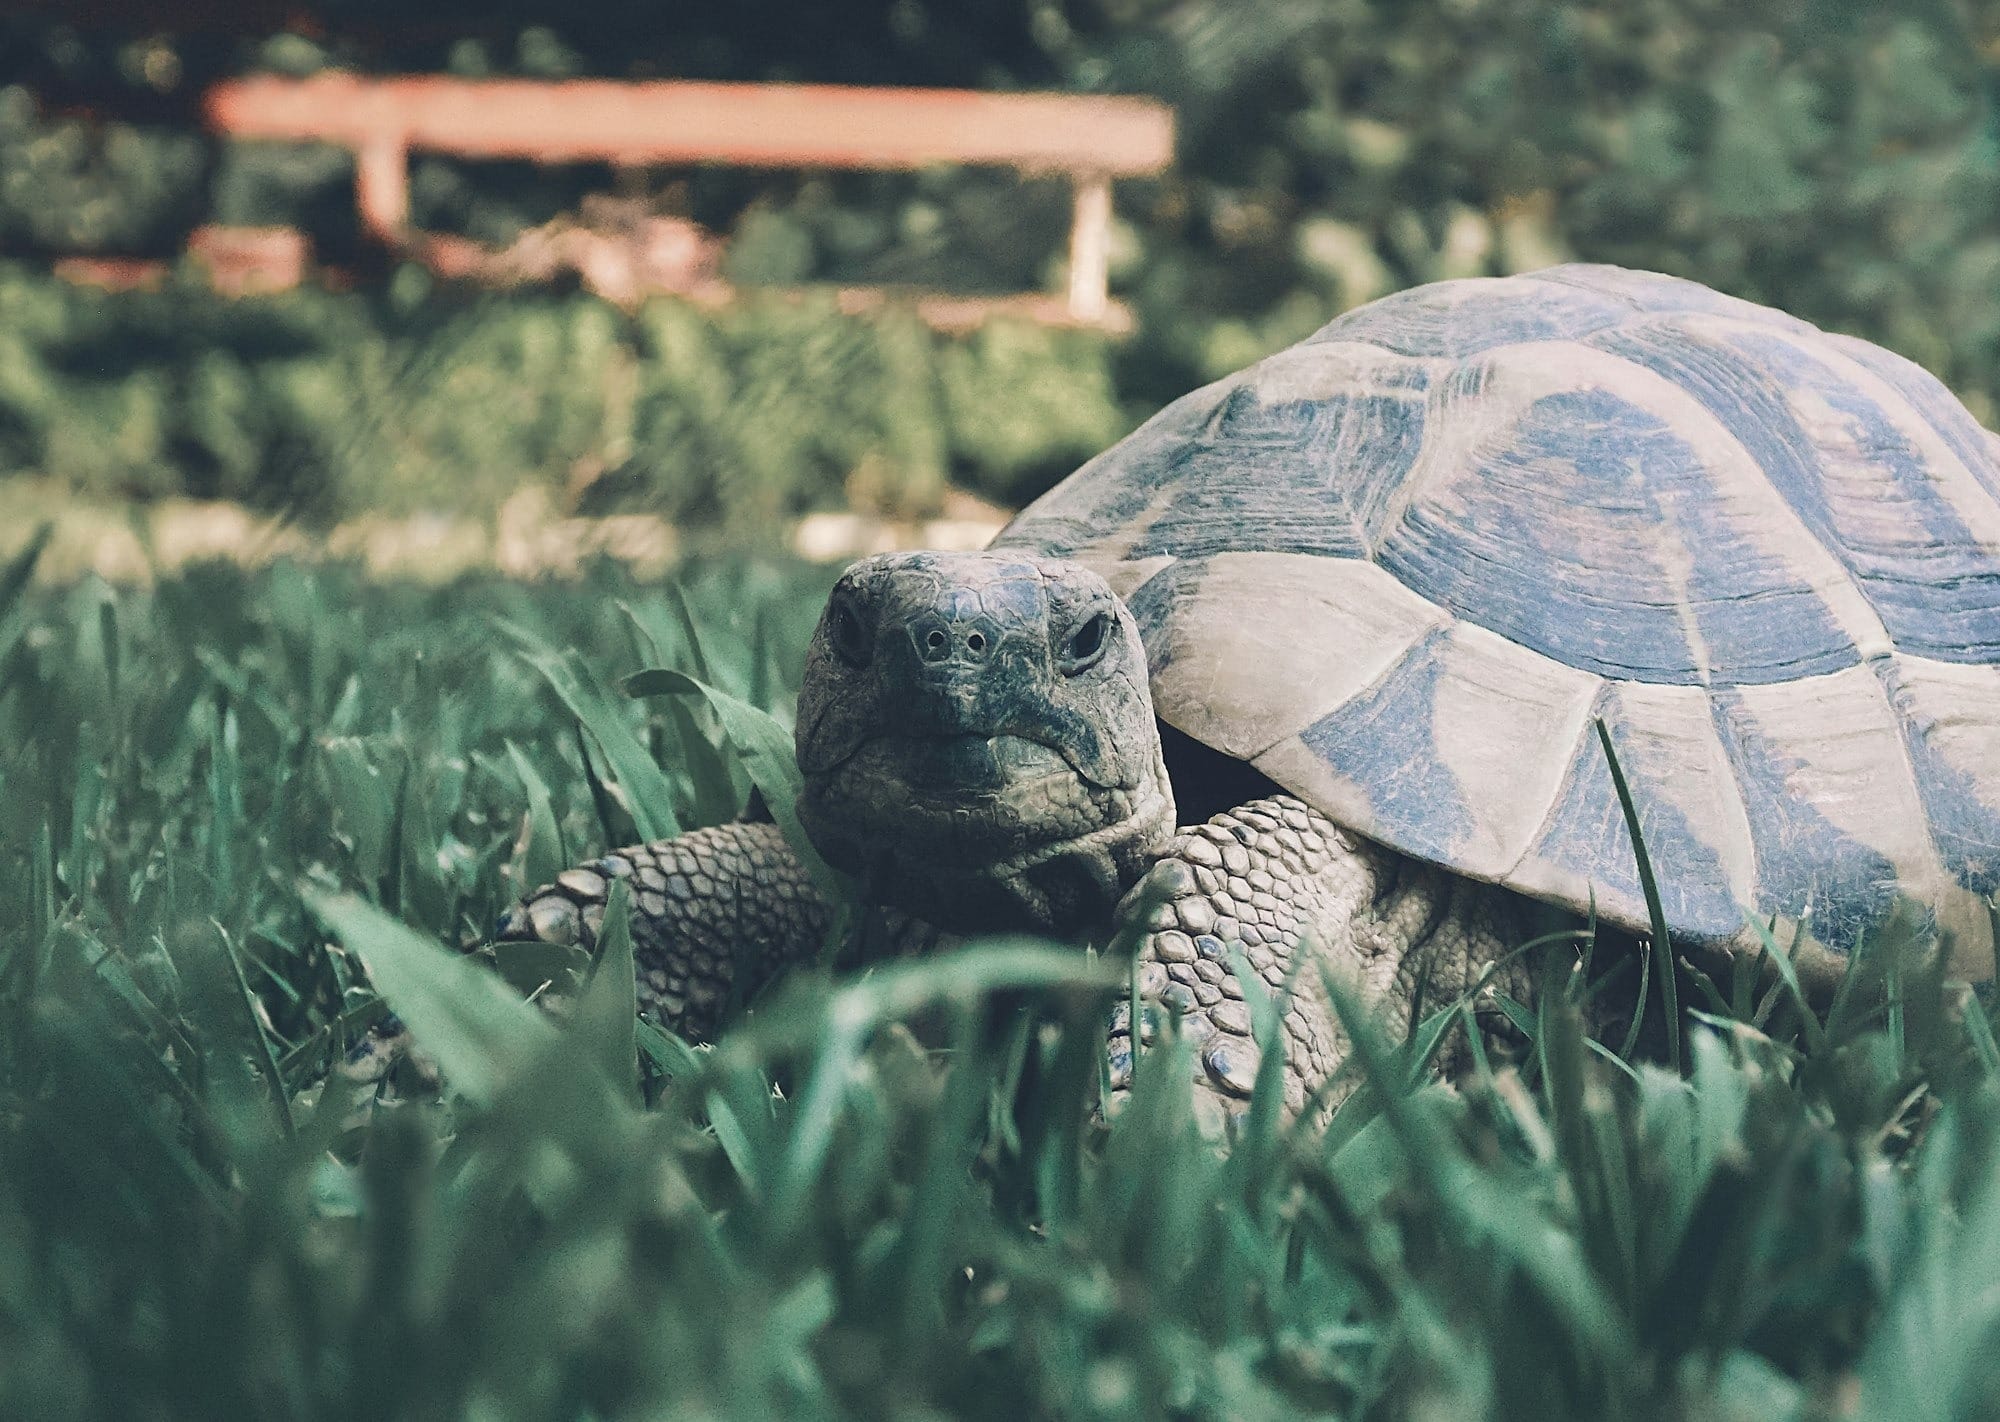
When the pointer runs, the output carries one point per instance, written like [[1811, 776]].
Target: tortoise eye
[[846, 635], [1086, 644]]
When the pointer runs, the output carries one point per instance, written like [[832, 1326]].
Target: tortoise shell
[[1405, 566]]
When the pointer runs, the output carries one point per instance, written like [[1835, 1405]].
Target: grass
[[237, 799]]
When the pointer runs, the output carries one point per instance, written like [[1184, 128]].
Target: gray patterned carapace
[[1403, 566]]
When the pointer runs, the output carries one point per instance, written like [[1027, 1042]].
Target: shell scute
[[1303, 458], [1463, 318], [1657, 573], [1870, 478], [1656, 750]]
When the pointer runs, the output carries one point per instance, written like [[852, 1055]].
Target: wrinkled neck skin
[[977, 742]]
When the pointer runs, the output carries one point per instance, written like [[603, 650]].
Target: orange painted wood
[[671, 121]]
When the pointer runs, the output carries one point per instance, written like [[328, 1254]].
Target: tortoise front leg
[[707, 908], [715, 913], [1269, 876]]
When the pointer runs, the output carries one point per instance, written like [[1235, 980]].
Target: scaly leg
[[713, 912], [705, 907], [1269, 876]]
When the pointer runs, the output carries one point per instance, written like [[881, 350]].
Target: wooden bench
[[1090, 139]]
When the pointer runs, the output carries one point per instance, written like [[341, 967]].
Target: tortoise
[[1317, 656]]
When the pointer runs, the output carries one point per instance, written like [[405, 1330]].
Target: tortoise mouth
[[965, 798], [960, 769]]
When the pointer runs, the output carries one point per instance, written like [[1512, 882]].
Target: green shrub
[[1024, 401], [69, 185], [334, 404]]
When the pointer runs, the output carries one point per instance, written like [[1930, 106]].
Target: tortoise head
[[977, 740]]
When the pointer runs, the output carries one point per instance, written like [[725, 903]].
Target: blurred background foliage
[[1835, 158], [328, 404]]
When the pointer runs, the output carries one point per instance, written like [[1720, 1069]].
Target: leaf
[[642, 787], [766, 748], [607, 1012], [481, 1033], [543, 855]]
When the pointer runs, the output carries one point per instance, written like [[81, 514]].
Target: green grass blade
[[607, 1011], [1487, 1221], [613, 821], [642, 789], [108, 646], [543, 855], [1631, 1043], [718, 797], [481, 1033], [1781, 963], [1979, 1032], [675, 1058], [704, 668], [767, 752], [1663, 948], [813, 1128], [256, 1033], [20, 569]]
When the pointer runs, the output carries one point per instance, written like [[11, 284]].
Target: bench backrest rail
[[1090, 138]]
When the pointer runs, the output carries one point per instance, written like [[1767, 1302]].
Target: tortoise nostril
[[951, 642]]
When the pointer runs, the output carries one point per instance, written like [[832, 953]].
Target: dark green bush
[[70, 185], [332, 404], [1839, 160]]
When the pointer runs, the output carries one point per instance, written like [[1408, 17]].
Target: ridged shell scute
[[1407, 566]]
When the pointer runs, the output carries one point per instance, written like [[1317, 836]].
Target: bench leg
[[1090, 248]]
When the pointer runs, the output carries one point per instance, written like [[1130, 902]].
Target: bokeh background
[[1836, 158]]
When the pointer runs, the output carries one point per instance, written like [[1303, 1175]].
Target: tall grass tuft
[[239, 807]]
